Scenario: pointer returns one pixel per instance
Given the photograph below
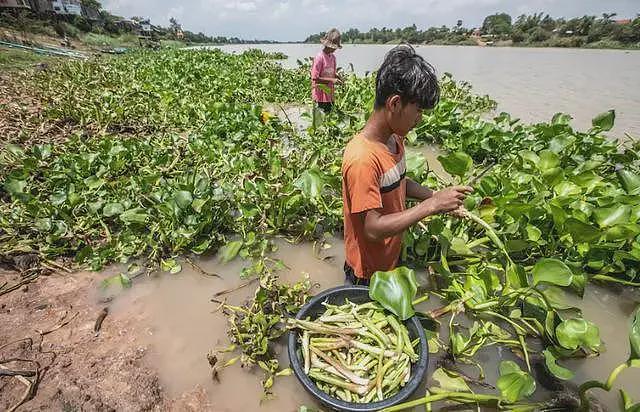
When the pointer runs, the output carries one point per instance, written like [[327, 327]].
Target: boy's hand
[[448, 200], [460, 213]]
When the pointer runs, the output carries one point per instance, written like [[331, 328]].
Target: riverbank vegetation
[[536, 30]]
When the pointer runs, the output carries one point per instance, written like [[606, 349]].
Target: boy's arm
[[362, 179], [417, 191], [378, 226]]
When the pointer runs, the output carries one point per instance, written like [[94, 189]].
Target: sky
[[293, 20]]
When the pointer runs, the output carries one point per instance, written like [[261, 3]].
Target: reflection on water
[[530, 83], [182, 329]]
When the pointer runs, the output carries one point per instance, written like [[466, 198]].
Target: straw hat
[[332, 39]]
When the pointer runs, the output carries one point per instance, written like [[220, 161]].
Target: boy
[[374, 186], [323, 71]]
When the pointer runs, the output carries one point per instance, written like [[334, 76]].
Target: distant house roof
[[67, 7], [622, 21]]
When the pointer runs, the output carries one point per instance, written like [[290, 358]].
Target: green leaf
[[310, 183], [170, 265], [604, 120], [556, 297], [630, 181], [229, 251], [507, 367], [514, 384], [93, 182], [622, 232], [529, 157], [183, 199], [415, 163], [43, 225], [533, 233], [135, 215], [577, 332], [325, 89], [561, 118], [58, 197], [412, 137], [457, 163], [459, 246], [516, 276], [567, 189], [548, 160], [560, 143], [552, 271], [450, 381], [15, 187], [112, 209], [198, 204], [121, 280], [634, 336], [581, 232], [94, 207], [614, 215], [556, 370], [15, 150], [395, 291], [587, 180]]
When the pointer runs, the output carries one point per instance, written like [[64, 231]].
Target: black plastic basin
[[356, 294]]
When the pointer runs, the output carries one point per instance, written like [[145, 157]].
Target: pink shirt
[[324, 65]]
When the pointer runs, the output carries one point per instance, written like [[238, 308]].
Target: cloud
[[296, 19], [241, 6], [176, 12]]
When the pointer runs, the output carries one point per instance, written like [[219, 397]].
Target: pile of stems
[[356, 353]]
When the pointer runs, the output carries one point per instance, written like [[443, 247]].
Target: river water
[[530, 83]]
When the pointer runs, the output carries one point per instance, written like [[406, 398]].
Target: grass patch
[[94, 39], [12, 59], [172, 44]]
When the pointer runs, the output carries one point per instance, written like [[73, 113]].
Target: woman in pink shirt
[[323, 72]]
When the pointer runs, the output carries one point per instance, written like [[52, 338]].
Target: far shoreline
[[519, 46]]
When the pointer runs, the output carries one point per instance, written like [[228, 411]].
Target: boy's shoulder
[[359, 151]]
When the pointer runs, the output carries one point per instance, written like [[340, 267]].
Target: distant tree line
[[411, 34], [527, 30]]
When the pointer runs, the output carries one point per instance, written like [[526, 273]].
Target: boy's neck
[[377, 129]]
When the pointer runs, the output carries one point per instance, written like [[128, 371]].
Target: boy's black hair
[[408, 75]]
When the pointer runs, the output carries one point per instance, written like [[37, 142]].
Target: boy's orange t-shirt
[[372, 178]]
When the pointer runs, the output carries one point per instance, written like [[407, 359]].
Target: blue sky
[[295, 19]]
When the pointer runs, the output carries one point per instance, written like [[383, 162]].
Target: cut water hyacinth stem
[[356, 353]]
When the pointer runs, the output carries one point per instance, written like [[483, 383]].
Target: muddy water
[[611, 311], [181, 329]]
